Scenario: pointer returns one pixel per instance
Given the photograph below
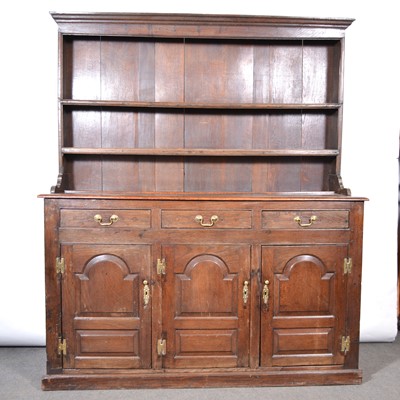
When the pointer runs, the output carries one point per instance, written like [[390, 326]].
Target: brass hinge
[[62, 347], [347, 265], [161, 347], [345, 348], [60, 265], [161, 266]]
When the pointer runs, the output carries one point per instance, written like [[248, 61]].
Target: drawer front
[[139, 219], [305, 219], [216, 219]]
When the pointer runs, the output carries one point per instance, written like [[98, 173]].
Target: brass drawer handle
[[311, 220], [200, 220], [98, 218]]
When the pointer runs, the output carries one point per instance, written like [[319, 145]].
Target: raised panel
[[307, 341], [304, 319], [304, 287], [303, 346], [105, 321], [192, 342], [203, 304], [106, 286], [206, 287], [108, 341]]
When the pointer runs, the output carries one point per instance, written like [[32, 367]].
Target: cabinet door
[[105, 308], [205, 306], [303, 305]]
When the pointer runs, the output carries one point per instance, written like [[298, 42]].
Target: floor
[[21, 369]]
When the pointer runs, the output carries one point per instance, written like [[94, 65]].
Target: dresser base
[[198, 379]]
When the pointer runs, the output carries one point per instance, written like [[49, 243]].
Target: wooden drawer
[[217, 219], [305, 219], [137, 219]]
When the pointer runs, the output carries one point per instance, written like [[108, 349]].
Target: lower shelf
[[78, 380]]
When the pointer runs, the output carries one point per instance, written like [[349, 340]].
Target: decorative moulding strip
[[201, 26]]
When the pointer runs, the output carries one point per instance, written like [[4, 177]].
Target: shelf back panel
[[203, 71], [197, 174], [190, 129]]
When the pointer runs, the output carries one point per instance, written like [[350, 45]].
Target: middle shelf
[[201, 152], [292, 131], [200, 106]]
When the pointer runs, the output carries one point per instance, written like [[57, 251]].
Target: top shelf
[[204, 106]]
